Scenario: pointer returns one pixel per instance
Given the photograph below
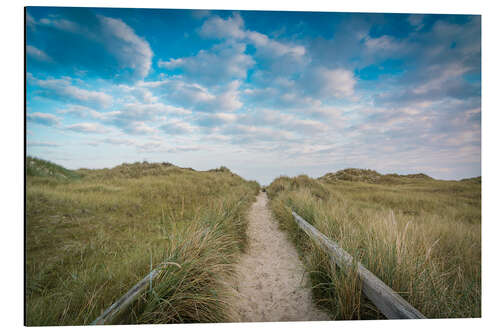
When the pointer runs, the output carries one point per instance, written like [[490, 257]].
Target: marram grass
[[92, 234], [421, 236]]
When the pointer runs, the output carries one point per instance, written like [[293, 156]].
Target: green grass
[[92, 234], [421, 236], [36, 167]]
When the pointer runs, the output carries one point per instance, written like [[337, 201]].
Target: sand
[[272, 284]]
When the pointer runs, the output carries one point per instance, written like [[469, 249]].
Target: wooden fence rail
[[117, 307], [390, 303]]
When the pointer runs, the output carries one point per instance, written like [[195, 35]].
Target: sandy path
[[272, 284]]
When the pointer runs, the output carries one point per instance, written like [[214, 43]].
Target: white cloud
[[43, 144], [141, 112], [177, 126], [272, 48], [383, 43], [66, 25], [129, 48], [226, 117], [87, 128], [251, 133], [228, 100], [80, 111], [37, 54], [220, 28], [195, 96], [260, 126], [181, 92], [329, 83], [62, 89], [162, 147], [139, 118], [224, 62], [119, 141], [260, 92], [30, 20], [232, 27], [43, 119], [282, 121], [215, 120], [286, 55], [141, 94], [139, 127], [174, 63], [444, 74]]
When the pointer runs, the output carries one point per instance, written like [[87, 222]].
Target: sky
[[262, 93]]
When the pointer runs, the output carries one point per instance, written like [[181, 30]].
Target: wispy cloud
[[196, 96], [223, 63], [217, 27], [37, 54], [323, 82], [177, 126], [43, 119], [281, 56], [80, 111], [128, 48], [43, 144], [63, 90], [87, 128]]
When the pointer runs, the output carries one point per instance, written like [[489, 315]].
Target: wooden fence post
[[389, 302], [116, 308]]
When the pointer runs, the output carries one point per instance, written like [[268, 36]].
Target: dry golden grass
[[422, 237], [93, 234]]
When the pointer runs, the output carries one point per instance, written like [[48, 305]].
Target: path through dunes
[[272, 284]]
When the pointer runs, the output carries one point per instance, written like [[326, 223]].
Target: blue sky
[[263, 93]]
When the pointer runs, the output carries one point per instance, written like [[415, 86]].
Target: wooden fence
[[111, 313], [390, 303], [117, 307]]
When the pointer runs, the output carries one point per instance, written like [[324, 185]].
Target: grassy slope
[[421, 236], [92, 234]]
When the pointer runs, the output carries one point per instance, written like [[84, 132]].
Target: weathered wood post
[[389, 302]]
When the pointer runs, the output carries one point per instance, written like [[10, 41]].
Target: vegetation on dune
[[421, 236], [351, 174], [371, 176], [92, 234], [476, 180], [36, 167]]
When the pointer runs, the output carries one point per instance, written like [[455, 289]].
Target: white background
[[12, 136]]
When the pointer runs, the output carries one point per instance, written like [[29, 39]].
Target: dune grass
[[421, 236], [92, 234]]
